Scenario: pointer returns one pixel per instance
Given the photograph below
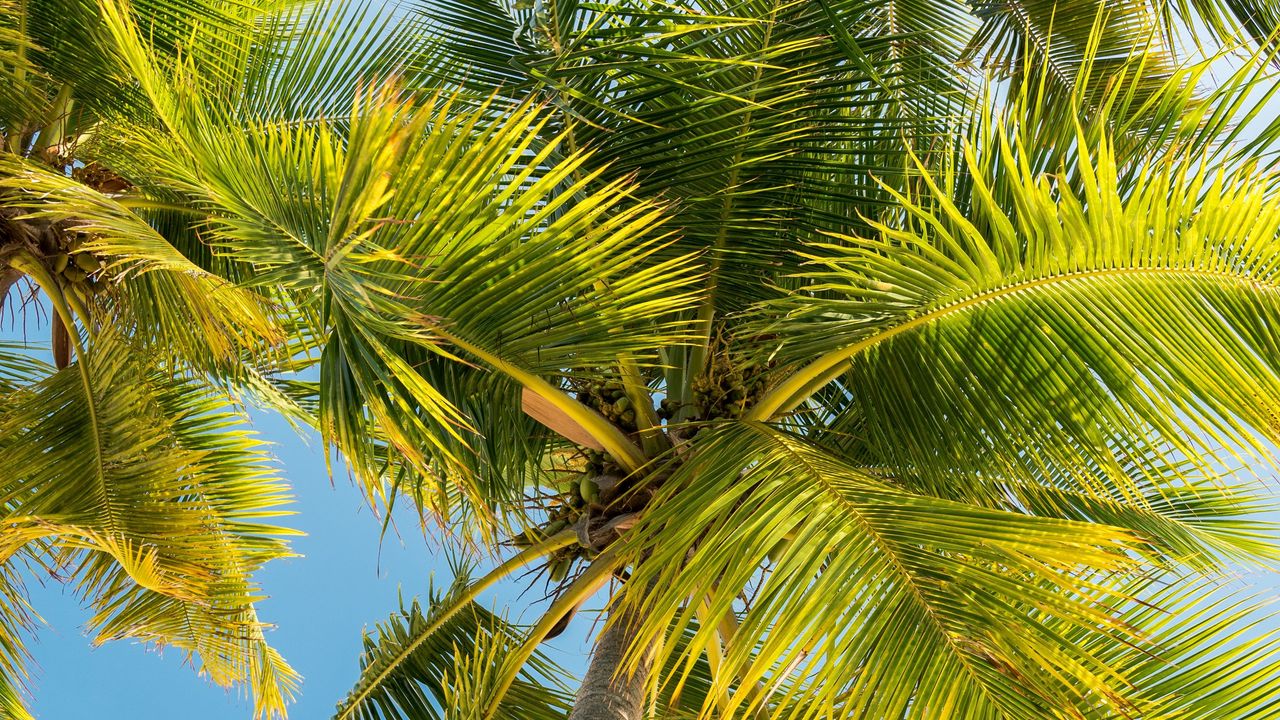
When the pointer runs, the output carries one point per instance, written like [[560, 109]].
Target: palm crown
[[873, 385]]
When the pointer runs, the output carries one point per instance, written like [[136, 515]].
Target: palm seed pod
[[558, 568], [588, 489], [86, 262]]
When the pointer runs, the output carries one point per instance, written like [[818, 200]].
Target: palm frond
[[147, 493], [1211, 654], [884, 600], [1064, 48], [67, 53], [453, 676], [1215, 650], [309, 61], [403, 670], [419, 228], [18, 622], [166, 301], [11, 705], [1036, 330], [762, 122]]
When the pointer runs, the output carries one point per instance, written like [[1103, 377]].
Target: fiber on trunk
[[607, 694]]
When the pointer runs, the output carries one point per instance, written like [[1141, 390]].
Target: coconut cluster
[[724, 392], [559, 563], [609, 397], [76, 267], [728, 389], [574, 497], [100, 179]]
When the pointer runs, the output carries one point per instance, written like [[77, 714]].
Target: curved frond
[[1216, 649], [1036, 329], [882, 599], [148, 494]]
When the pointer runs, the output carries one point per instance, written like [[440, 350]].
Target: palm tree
[[129, 475], [864, 382], [938, 426]]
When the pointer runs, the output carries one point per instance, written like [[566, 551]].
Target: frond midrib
[[704, 322], [367, 686], [891, 554], [827, 367]]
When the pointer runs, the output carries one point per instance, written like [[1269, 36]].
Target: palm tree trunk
[[607, 693], [8, 277]]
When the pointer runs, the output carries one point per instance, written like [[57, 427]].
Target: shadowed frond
[[1056, 49], [68, 74]]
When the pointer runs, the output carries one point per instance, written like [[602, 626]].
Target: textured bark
[[8, 277], [61, 342], [607, 693]]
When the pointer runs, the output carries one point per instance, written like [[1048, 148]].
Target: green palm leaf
[[1057, 302], [11, 706], [306, 210], [1011, 382], [144, 491], [452, 675], [170, 303], [971, 597]]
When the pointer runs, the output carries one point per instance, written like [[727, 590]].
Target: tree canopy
[[878, 358]]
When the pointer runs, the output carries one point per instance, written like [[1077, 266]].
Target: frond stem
[[715, 657], [587, 584], [63, 306], [20, 71], [615, 442], [813, 377]]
